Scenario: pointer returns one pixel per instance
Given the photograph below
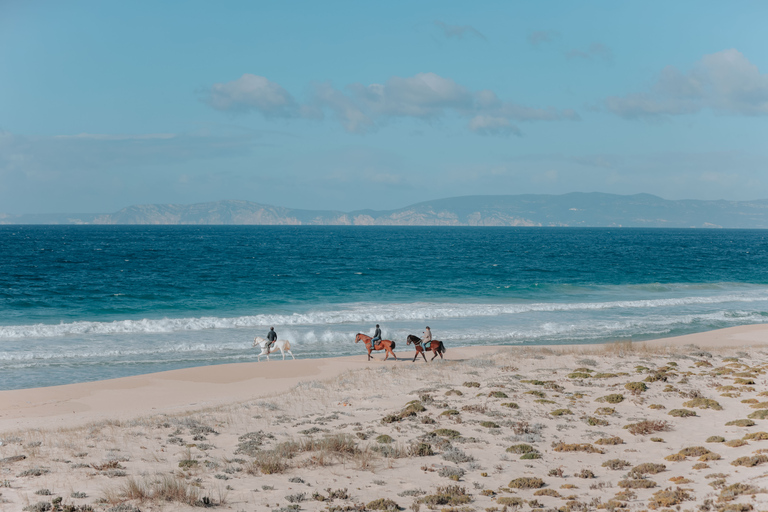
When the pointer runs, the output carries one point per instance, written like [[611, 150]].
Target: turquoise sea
[[82, 303]]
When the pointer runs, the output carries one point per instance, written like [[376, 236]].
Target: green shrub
[[636, 387], [610, 441], [703, 403], [740, 423], [521, 448], [447, 432], [715, 439], [615, 398], [489, 424], [560, 412], [526, 483], [384, 439], [759, 415], [497, 394], [472, 384], [682, 413], [510, 405], [531, 455]]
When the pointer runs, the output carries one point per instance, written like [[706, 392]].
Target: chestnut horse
[[387, 345], [435, 346]]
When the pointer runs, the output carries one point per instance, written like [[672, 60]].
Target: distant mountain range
[[575, 209]]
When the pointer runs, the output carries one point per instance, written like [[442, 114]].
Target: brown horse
[[435, 346], [387, 345]]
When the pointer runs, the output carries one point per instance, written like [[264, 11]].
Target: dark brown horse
[[387, 345], [435, 346]]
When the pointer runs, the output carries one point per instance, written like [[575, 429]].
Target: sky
[[350, 105]]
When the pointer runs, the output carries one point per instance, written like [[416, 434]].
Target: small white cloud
[[539, 37], [726, 82], [252, 92], [458, 31], [487, 125]]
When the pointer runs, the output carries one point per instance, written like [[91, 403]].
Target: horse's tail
[[287, 345], [393, 345], [442, 348]]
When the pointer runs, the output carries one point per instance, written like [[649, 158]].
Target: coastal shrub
[[471, 384], [675, 457], [606, 375], [740, 423], [489, 424], [450, 412], [450, 495], [585, 473], [497, 394], [383, 504], [510, 405], [715, 439], [750, 461], [422, 450], [455, 455], [530, 455], [453, 473], [645, 427], [610, 440], [656, 406], [526, 482], [537, 393], [615, 398], [657, 440], [578, 375], [757, 436], [682, 413], [759, 415], [703, 403], [668, 498], [510, 501], [453, 392], [616, 464], [427, 420], [447, 432], [384, 439], [561, 412], [547, 492], [576, 447], [646, 468], [521, 448], [735, 443], [680, 480], [636, 387], [596, 422], [605, 411], [694, 451], [544, 401], [637, 483], [744, 382], [759, 405]]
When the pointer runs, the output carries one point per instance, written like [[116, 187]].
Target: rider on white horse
[[271, 338]]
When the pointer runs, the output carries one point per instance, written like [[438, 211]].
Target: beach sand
[[486, 429]]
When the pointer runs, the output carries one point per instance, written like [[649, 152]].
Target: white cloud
[[362, 108], [458, 31], [252, 92], [105, 136], [595, 51], [726, 82]]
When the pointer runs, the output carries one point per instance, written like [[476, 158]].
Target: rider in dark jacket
[[376, 336], [271, 337]]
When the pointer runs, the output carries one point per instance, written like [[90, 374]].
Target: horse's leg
[[281, 351], [422, 355], [434, 356], [289, 351]]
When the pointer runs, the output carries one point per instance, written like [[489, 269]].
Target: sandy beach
[[676, 423]]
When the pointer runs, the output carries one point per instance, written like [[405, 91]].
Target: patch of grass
[[657, 440], [450, 412], [576, 447], [646, 468], [610, 440], [537, 393], [447, 432], [759, 415], [521, 448], [547, 492], [636, 387], [497, 394], [682, 413], [616, 464], [454, 392], [453, 473], [422, 450], [384, 439], [656, 406], [531, 455], [605, 411], [585, 473], [636, 483], [510, 405], [759, 405], [645, 427], [450, 495], [383, 504], [740, 423], [526, 482], [615, 398], [750, 461], [471, 384], [579, 375], [703, 403], [668, 498], [733, 491], [510, 501], [489, 424], [735, 443], [561, 412], [757, 436], [596, 422], [715, 439]]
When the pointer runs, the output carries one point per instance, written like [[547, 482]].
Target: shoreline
[[177, 391]]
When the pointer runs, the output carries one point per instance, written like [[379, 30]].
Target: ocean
[[84, 303]]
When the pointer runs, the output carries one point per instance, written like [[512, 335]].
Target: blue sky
[[346, 105]]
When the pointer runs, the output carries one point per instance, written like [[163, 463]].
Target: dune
[[676, 422]]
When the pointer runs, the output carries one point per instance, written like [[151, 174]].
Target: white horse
[[281, 345]]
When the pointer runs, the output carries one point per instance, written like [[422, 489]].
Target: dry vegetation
[[508, 441]]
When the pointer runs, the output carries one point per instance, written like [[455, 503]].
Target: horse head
[[357, 338], [258, 341]]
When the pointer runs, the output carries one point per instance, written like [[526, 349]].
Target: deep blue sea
[[82, 303]]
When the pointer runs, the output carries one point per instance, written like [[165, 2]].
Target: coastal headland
[[675, 422]]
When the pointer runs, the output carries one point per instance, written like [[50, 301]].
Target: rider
[[376, 337], [271, 338], [426, 338]]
